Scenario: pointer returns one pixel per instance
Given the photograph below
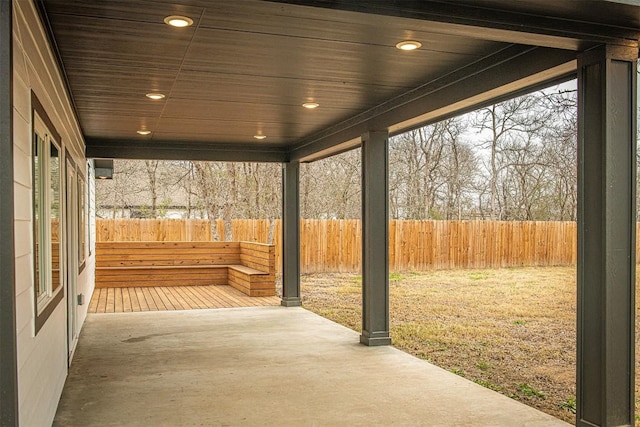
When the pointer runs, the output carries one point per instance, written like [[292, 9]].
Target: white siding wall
[[42, 358]]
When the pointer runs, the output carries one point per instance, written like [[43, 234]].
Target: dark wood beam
[[496, 23], [179, 150], [515, 69]]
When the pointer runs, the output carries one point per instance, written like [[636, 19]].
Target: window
[[47, 232]]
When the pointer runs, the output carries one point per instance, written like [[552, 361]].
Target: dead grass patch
[[512, 330]]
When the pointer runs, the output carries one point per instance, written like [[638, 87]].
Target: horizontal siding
[[46, 367], [24, 274], [42, 359], [22, 207]]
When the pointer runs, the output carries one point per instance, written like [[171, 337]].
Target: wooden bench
[[247, 266]]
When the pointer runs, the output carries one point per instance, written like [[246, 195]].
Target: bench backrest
[[126, 254], [260, 256]]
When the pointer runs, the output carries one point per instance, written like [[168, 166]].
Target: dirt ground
[[512, 330]]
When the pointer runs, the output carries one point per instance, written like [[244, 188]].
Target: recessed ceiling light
[[155, 95], [409, 45], [178, 21], [310, 105], [259, 136], [143, 132]]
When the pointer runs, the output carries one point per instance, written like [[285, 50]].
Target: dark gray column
[[606, 236], [375, 239], [291, 234], [8, 360]]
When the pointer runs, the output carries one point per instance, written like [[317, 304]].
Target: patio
[[233, 82], [263, 366]]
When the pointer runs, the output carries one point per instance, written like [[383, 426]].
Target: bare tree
[[561, 143], [460, 172], [502, 124], [151, 170], [431, 171], [117, 194], [513, 160]]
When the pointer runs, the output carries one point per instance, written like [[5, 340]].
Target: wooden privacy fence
[[153, 230], [335, 245]]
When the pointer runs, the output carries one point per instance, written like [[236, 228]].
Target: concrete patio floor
[[263, 366]]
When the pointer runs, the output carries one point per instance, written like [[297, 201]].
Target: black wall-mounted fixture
[[103, 168]]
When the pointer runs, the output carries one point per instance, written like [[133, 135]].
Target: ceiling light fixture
[[310, 105], [409, 45], [260, 136], [155, 95], [178, 21], [143, 132]]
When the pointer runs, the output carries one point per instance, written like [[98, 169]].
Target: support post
[[375, 239], [291, 234], [8, 354], [606, 236]]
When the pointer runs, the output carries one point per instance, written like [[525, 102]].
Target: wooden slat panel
[[118, 306], [142, 301], [111, 304], [194, 296], [186, 272], [233, 295], [128, 261], [165, 301], [159, 250], [135, 303], [216, 296], [181, 245], [176, 299], [148, 297], [251, 284], [156, 298], [204, 297], [93, 304], [152, 283], [126, 300], [102, 302], [182, 298], [187, 297]]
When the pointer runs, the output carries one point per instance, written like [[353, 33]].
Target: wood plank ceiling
[[243, 68]]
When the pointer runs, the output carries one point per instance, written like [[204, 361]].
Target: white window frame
[[83, 220]]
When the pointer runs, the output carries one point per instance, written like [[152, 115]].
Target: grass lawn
[[512, 330]]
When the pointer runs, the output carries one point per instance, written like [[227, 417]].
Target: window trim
[[43, 310], [88, 194], [83, 220]]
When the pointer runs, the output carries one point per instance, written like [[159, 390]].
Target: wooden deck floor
[[162, 298]]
